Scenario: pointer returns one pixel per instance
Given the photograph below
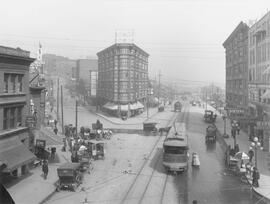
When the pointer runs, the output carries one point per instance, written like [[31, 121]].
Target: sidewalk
[[263, 157], [32, 188]]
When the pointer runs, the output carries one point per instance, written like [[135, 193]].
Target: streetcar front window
[[174, 150]]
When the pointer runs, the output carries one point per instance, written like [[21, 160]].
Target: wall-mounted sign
[[263, 125]]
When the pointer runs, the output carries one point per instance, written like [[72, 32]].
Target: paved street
[[133, 173]]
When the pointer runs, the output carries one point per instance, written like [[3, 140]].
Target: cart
[[211, 133], [150, 127], [70, 176], [96, 148]]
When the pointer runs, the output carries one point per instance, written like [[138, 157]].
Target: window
[[13, 83], [20, 85], [5, 119], [6, 79], [12, 117]]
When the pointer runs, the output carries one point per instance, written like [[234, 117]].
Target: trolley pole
[[62, 109]]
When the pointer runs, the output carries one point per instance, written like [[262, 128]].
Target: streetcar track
[[183, 118], [143, 165], [164, 188]]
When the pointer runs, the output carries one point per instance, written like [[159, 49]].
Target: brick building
[[14, 109], [122, 79], [236, 46], [259, 75]]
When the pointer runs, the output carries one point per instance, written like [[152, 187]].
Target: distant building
[[122, 79], [14, 111], [259, 76], [236, 46], [87, 70]]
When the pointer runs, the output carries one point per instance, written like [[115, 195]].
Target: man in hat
[[250, 154], [255, 177]]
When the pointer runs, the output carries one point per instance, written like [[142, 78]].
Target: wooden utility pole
[[62, 109], [76, 117], [159, 75], [206, 98], [57, 107]]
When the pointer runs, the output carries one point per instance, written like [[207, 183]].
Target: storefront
[[126, 110], [15, 155]]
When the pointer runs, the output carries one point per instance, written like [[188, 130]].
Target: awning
[[136, 105], [14, 153], [110, 106], [124, 107], [266, 95]]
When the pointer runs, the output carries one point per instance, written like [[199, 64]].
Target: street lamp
[[225, 135], [255, 145]]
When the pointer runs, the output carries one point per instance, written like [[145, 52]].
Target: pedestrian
[[45, 169], [250, 154], [55, 122], [255, 177], [238, 129], [55, 131]]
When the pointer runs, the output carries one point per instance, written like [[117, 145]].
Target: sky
[[183, 37]]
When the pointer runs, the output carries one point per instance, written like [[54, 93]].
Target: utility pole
[[159, 75], [76, 117], [57, 108], [62, 112], [147, 102], [206, 99]]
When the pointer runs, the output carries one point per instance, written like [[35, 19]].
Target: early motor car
[[70, 176]]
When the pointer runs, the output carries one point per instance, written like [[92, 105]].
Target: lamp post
[[255, 145], [225, 135], [234, 132]]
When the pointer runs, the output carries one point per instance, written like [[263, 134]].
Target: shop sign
[[30, 121], [265, 125], [236, 111]]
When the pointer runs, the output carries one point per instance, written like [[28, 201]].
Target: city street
[[132, 172]]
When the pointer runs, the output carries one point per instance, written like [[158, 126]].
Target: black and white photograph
[[135, 102]]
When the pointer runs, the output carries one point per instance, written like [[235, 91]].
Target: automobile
[[209, 116], [70, 176], [211, 133]]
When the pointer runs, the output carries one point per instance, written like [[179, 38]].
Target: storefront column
[[19, 172]]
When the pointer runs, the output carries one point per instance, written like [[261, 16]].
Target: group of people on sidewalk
[[247, 166]]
